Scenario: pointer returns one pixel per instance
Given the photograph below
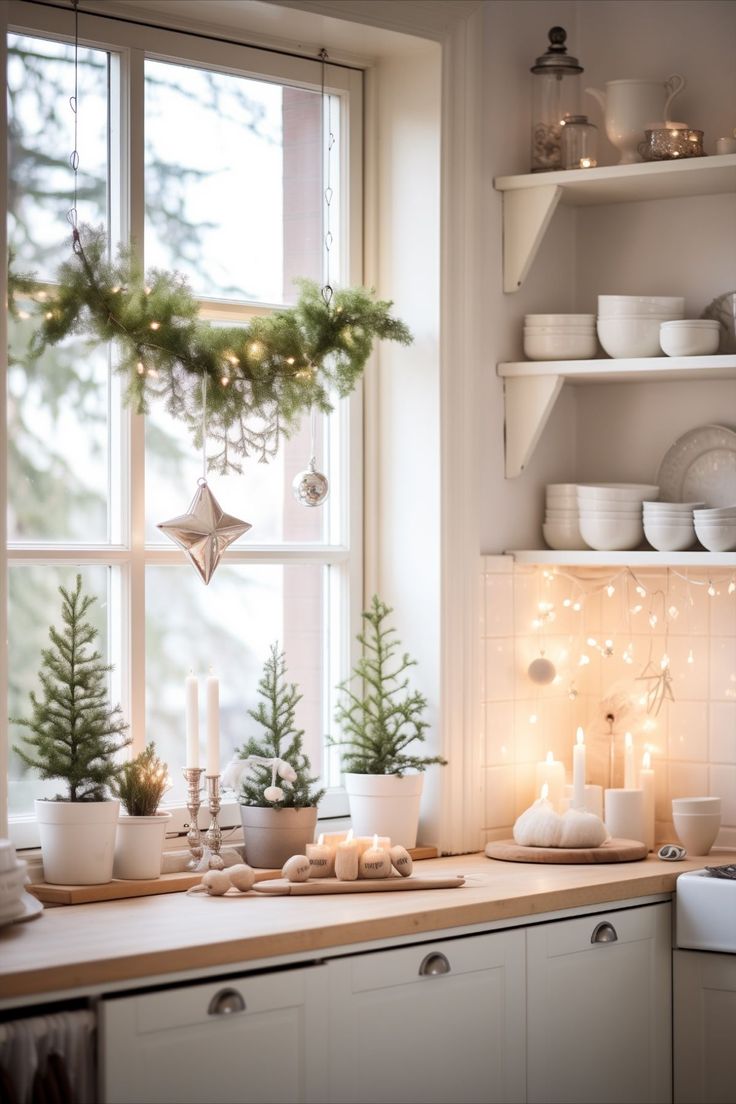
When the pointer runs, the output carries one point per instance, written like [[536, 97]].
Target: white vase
[[77, 840], [385, 805], [139, 842]]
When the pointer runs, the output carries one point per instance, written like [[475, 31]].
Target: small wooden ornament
[[401, 860], [296, 869], [216, 882], [241, 876]]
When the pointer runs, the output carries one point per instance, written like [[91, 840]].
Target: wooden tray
[[282, 887], [615, 850]]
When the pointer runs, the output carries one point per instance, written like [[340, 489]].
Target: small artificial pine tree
[[142, 783], [281, 740], [74, 733], [380, 724]]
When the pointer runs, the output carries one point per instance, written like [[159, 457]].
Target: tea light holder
[[193, 778], [671, 144], [213, 838]]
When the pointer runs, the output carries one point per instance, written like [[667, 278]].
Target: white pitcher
[[629, 106]]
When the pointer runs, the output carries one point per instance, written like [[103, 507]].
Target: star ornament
[[204, 531]]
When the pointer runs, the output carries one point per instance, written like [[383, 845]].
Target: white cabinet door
[[599, 1008], [430, 1023], [257, 1038], [705, 1027]]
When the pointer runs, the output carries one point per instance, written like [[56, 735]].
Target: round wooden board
[[614, 850]]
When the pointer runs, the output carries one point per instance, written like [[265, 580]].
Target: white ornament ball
[[582, 829], [296, 869], [310, 487], [216, 882], [542, 671], [273, 793], [242, 877]]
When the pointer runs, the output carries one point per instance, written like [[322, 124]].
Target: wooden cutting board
[[615, 850], [282, 887]]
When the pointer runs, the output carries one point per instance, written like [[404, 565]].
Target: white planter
[[385, 805], [77, 840], [138, 845]]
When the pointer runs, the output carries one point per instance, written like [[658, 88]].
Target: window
[[210, 155]]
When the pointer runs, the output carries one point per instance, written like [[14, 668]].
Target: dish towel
[[49, 1059]]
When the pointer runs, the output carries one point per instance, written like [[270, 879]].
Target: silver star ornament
[[204, 531]]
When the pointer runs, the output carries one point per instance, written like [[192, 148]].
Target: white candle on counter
[[213, 724], [628, 761], [346, 859], [625, 814], [321, 857], [191, 702], [646, 785], [578, 771], [375, 862], [551, 772]]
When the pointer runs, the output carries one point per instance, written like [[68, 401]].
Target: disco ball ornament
[[310, 487], [541, 671]]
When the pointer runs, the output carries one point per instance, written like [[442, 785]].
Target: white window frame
[[130, 554]]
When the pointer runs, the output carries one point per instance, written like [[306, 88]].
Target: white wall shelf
[[529, 201], [531, 389], [706, 561]]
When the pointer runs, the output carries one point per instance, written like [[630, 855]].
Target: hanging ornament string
[[74, 155], [204, 428]]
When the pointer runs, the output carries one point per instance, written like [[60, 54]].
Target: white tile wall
[[692, 739]]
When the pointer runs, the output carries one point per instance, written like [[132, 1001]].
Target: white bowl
[[641, 304], [697, 831], [629, 337], [669, 536], [562, 489], [716, 513], [572, 346], [696, 804], [689, 338], [715, 537], [671, 507], [605, 515], [562, 535], [563, 320], [624, 492], [611, 534]]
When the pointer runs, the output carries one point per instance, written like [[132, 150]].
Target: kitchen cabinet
[[256, 1038], [599, 1007], [435, 1022], [704, 1027]]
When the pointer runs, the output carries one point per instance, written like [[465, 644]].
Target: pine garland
[[74, 733], [281, 740], [260, 378], [378, 723]]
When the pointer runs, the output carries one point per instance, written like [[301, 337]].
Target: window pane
[[234, 182], [229, 627], [40, 141], [34, 604]]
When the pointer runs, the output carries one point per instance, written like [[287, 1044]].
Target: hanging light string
[[74, 155]]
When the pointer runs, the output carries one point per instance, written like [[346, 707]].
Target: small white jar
[[689, 337]]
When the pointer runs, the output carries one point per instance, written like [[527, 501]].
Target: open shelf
[[531, 388], [706, 561], [529, 201]]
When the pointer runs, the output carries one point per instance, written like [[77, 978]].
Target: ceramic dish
[[29, 908], [701, 464]]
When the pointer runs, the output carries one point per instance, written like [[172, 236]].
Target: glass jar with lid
[[579, 142], [556, 93]]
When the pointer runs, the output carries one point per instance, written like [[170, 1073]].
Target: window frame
[[130, 554]]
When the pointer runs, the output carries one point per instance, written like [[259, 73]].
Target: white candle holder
[[625, 814], [193, 776], [213, 838]]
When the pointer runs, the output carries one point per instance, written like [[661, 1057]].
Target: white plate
[[31, 907], [700, 464]]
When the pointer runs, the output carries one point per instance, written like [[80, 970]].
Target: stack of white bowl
[[13, 877], [716, 528], [559, 336], [610, 514], [629, 325], [696, 821], [668, 526], [560, 529]]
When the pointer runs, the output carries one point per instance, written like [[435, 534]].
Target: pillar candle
[[191, 700], [625, 814], [365, 842], [552, 773], [346, 859], [646, 785], [213, 725], [375, 862], [333, 838], [578, 771], [321, 857], [593, 800], [628, 761]]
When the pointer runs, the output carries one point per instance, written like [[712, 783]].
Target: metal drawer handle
[[604, 933], [433, 965], [226, 1002]]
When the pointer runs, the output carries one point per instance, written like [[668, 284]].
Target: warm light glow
[[290, 360], [550, 757], [349, 836], [577, 607], [640, 591], [140, 368], [584, 661], [731, 587], [636, 609], [690, 656], [579, 737], [673, 612], [711, 590], [610, 590], [646, 760], [544, 792], [591, 642], [664, 662], [255, 348], [224, 380], [532, 718], [375, 842], [321, 838], [588, 163], [155, 325], [628, 740], [652, 619]]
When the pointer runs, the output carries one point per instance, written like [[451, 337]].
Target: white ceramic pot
[[77, 840], [271, 836], [629, 106], [385, 805], [697, 831], [139, 842]]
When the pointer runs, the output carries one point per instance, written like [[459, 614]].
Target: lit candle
[[588, 163], [365, 842], [346, 859], [375, 862], [321, 857], [213, 725], [333, 838], [578, 771], [552, 773], [191, 699], [628, 761], [646, 785]]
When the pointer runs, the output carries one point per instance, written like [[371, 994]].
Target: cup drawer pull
[[433, 965], [604, 933], [226, 1002]]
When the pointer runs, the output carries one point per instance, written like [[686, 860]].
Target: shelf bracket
[[529, 401], [526, 216]]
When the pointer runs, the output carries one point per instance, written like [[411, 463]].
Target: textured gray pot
[[272, 836]]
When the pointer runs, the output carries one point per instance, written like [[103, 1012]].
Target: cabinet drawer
[[407, 965]]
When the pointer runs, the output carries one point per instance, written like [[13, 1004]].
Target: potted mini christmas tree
[[140, 835], [380, 717], [74, 737], [278, 820]]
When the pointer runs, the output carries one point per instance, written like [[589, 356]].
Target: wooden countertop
[[82, 947]]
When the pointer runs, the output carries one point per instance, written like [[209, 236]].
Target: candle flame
[[628, 740], [544, 792], [550, 757], [646, 760], [349, 836], [375, 842], [321, 838], [580, 736]]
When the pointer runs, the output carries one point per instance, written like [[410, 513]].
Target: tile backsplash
[[603, 629]]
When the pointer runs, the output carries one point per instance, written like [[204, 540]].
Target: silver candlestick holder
[[193, 776], [214, 832]]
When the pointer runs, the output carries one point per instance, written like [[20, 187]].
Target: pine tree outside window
[[236, 206]]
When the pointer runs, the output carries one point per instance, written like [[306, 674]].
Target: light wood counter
[[88, 946]]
